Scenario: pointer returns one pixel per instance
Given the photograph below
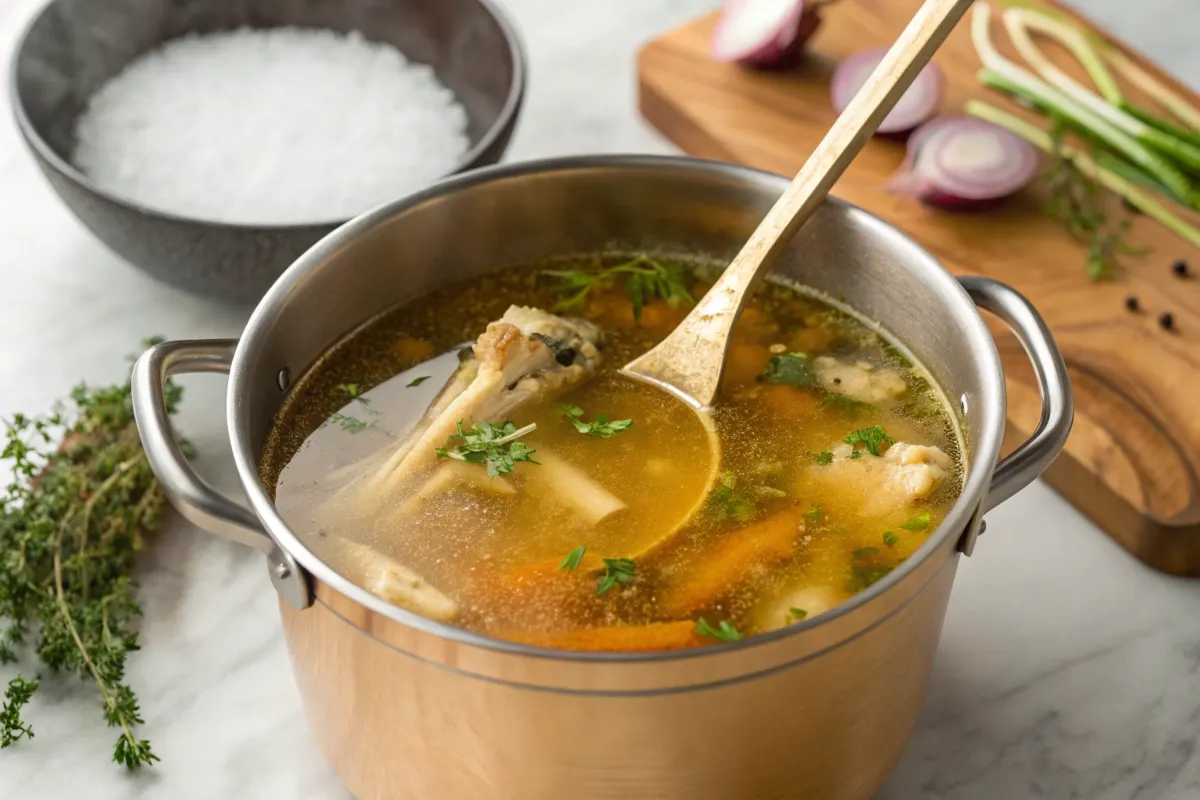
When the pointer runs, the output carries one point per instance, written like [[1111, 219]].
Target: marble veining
[[1065, 670]]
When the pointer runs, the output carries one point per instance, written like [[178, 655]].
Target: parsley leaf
[[731, 502], [890, 539], [571, 562], [602, 427], [724, 631], [616, 570], [355, 393], [796, 614], [790, 369], [918, 522], [417, 381], [491, 443], [871, 438], [865, 552], [645, 280], [814, 515], [824, 457]]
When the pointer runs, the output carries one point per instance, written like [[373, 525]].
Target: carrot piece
[[658, 314], [761, 543], [787, 401], [811, 341], [745, 363], [411, 349], [655, 636]]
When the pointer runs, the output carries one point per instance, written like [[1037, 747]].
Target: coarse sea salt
[[270, 127]]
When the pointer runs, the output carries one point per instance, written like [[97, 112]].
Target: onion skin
[[774, 54]]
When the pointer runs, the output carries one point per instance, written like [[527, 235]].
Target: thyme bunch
[[81, 502]]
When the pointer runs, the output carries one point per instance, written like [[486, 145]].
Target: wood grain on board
[[1132, 461]]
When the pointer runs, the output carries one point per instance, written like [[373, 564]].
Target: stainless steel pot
[[405, 707]]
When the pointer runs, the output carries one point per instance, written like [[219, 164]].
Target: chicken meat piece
[[860, 380], [525, 355], [394, 582], [888, 483], [782, 610]]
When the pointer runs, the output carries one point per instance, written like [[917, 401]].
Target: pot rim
[[984, 449], [504, 121]]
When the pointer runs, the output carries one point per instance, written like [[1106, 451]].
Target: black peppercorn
[[1167, 321], [1131, 302], [1180, 268]]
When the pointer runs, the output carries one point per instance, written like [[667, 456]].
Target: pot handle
[[1027, 462], [198, 502]]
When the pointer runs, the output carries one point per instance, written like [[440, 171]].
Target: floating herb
[[890, 539], [917, 522], [644, 280], [616, 570], [353, 390], [491, 443], [81, 503], [790, 369], [349, 424], [724, 630], [417, 381], [871, 438], [12, 728], [731, 502], [844, 402], [602, 426], [865, 552], [814, 515], [797, 614], [824, 457], [571, 562]]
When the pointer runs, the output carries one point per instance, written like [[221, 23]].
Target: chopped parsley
[[616, 570], [866, 575], [824, 457], [731, 502], [493, 443], [571, 562], [865, 552], [349, 424], [917, 522], [790, 369], [355, 392], [871, 438], [797, 614], [417, 381], [724, 630], [602, 426], [644, 280], [890, 539], [814, 515]]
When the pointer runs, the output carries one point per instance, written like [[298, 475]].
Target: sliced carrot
[[745, 363], [811, 341], [655, 636], [659, 314], [753, 325], [412, 349], [788, 401], [761, 543]]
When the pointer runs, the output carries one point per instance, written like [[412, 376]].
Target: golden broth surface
[[796, 521]]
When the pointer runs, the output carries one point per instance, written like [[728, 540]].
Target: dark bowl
[[72, 47]]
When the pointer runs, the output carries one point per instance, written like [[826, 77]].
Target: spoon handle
[[691, 360]]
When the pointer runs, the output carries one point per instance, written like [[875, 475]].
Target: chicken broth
[[525, 489]]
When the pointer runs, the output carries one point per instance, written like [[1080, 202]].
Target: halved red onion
[[915, 106], [764, 33], [964, 163]]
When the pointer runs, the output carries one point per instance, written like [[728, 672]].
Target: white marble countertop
[[1066, 669]]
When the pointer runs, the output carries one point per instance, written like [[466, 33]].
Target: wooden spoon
[[690, 361]]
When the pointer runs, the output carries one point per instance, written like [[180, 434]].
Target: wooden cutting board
[[1132, 461]]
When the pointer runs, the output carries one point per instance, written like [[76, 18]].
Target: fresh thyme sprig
[[12, 728], [491, 443], [644, 279], [81, 502], [1077, 201]]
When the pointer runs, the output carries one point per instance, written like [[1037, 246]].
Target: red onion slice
[[964, 163], [916, 105], [763, 33]]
